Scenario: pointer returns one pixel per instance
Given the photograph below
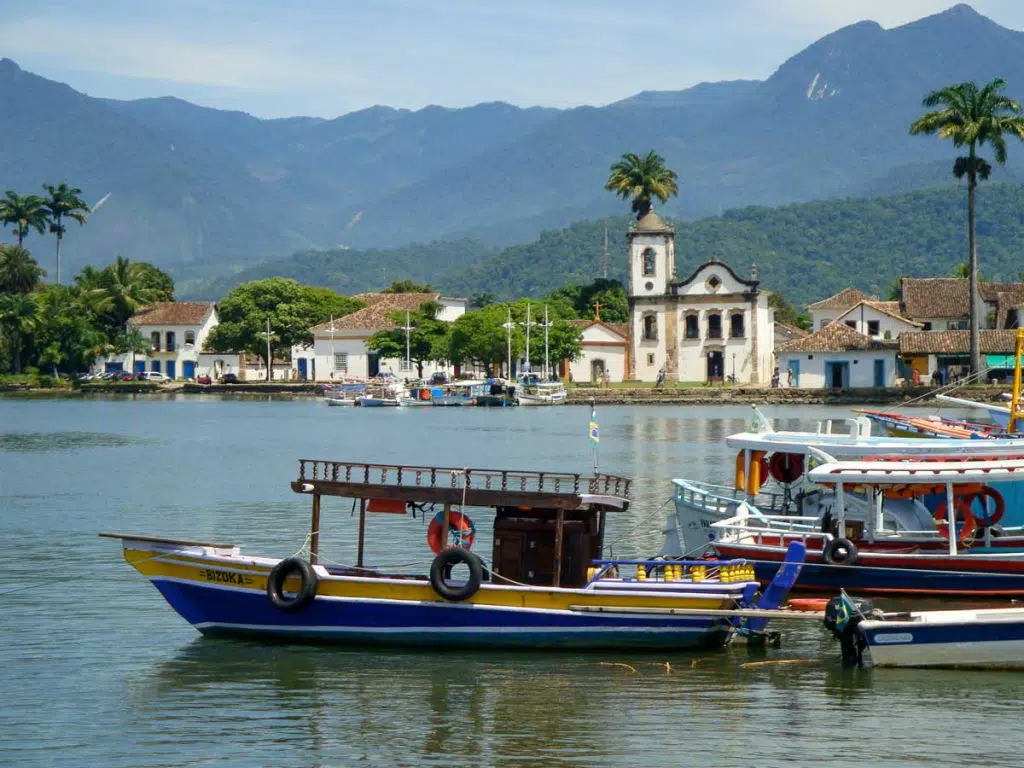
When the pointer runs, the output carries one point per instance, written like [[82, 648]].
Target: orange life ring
[[425, 394], [458, 523], [808, 603], [1000, 509], [962, 505]]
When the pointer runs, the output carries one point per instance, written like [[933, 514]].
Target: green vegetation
[[641, 179], [291, 309], [786, 313], [427, 340], [63, 203], [971, 117], [603, 297], [23, 214]]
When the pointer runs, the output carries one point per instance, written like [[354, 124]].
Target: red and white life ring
[[459, 526], [1000, 506], [786, 467]]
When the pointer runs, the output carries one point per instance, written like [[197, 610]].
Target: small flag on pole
[[595, 434]]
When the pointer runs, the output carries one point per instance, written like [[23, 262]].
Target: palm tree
[[24, 213], [19, 318], [134, 341], [64, 201], [125, 289], [19, 272], [972, 117], [642, 179]]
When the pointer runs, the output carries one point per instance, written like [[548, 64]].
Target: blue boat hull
[[816, 577], [224, 611]]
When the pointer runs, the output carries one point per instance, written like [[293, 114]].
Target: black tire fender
[[308, 584], [839, 551], [441, 572]]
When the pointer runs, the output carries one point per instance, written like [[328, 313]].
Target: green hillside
[[805, 251]]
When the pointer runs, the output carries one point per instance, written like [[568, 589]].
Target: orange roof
[[845, 299], [375, 316], [835, 337], [174, 313]]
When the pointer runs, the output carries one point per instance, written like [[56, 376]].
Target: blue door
[[879, 373], [302, 368], [170, 369], [189, 369], [794, 370], [140, 366], [155, 366], [837, 375]]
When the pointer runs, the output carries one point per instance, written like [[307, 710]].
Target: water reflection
[[52, 442]]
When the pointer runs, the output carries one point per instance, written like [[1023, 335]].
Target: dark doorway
[[716, 366]]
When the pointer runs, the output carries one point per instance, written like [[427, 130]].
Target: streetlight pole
[[508, 326], [528, 323], [547, 364]]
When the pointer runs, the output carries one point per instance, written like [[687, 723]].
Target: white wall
[[451, 308], [664, 265], [600, 343], [862, 370], [182, 352], [863, 314]]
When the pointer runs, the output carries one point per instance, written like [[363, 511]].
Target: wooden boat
[[531, 389], [1000, 414], [973, 638], [498, 394], [545, 587], [900, 425], [458, 393], [877, 553], [345, 395]]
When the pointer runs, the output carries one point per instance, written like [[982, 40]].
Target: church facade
[[713, 326]]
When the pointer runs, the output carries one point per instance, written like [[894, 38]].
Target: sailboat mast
[[547, 365]]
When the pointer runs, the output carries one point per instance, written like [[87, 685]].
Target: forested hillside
[[804, 251]]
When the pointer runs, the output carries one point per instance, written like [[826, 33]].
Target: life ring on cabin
[[786, 467], [460, 524], [988, 493], [308, 583], [839, 551], [425, 394], [962, 505], [441, 573]]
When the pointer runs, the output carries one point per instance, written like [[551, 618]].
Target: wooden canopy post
[[447, 525], [362, 532], [314, 531], [559, 526], [600, 530]]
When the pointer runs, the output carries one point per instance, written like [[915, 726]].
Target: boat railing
[[412, 476], [749, 524], [724, 498]]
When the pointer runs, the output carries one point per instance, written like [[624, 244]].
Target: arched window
[[650, 327], [649, 261], [715, 325], [736, 326], [692, 330]]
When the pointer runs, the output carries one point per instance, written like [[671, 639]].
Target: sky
[[329, 57]]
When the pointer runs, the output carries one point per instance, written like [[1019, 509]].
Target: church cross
[[597, 310]]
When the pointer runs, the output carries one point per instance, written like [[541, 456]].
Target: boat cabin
[[548, 526]]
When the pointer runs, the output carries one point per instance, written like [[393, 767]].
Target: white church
[[713, 326]]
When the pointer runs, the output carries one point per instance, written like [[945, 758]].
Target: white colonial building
[[604, 348], [838, 357], [339, 348], [176, 332], [709, 327]]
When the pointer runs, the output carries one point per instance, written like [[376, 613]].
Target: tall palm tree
[[134, 341], [971, 117], [19, 319], [24, 213], [642, 179], [19, 272], [64, 201]]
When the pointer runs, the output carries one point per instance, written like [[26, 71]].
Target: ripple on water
[[55, 442]]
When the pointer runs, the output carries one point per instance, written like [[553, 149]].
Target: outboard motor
[[842, 616]]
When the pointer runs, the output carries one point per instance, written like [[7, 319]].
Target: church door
[[596, 371], [716, 366]]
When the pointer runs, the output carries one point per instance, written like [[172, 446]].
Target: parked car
[[204, 379], [154, 376], [229, 378], [122, 377]]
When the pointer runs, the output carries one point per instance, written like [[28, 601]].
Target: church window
[[692, 327], [713, 283], [715, 326], [650, 358], [649, 261], [736, 329], [650, 327]]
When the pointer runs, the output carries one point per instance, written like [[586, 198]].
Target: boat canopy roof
[[940, 469], [846, 446], [462, 485]]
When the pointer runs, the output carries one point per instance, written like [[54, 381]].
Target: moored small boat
[[531, 389]]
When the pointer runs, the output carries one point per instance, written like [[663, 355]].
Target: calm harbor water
[[96, 670]]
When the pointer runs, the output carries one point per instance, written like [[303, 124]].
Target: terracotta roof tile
[[935, 297], [1014, 292], [620, 328], [993, 342], [376, 315], [785, 333], [835, 337], [174, 313], [891, 308], [845, 299]]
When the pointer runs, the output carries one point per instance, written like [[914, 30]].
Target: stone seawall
[[747, 395]]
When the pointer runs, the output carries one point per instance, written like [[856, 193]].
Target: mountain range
[[205, 192]]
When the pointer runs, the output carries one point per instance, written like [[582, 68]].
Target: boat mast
[[333, 363], [509, 325], [408, 328], [547, 365], [528, 323]]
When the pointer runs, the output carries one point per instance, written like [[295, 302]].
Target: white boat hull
[[553, 399]]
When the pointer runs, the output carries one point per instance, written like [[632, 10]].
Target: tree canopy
[[428, 338], [641, 179]]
